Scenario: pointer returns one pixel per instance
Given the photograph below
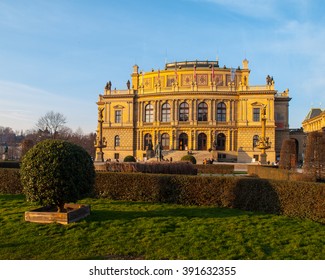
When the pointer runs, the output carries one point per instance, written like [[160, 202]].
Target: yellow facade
[[314, 121], [193, 105]]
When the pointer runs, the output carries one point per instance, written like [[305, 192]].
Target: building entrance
[[183, 142], [202, 142]]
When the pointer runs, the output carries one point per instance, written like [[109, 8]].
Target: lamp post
[[263, 141], [100, 141]]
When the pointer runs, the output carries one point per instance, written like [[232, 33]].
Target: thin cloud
[[22, 105], [252, 8]]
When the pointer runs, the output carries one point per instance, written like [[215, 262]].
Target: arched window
[[202, 112], [183, 112], [221, 112], [116, 141], [255, 141], [165, 141], [221, 142], [165, 112], [148, 113], [147, 143]]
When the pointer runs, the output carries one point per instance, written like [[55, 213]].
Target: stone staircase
[[177, 155]]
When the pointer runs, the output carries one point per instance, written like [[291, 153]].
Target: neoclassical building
[[314, 121], [193, 105]]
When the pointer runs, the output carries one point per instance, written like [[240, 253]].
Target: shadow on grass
[[12, 197], [104, 215]]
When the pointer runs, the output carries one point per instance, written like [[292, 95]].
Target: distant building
[[314, 121], [193, 105], [300, 139]]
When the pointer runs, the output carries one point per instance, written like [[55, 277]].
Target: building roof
[[314, 112], [191, 64]]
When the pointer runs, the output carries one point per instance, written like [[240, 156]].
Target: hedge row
[[215, 168], [10, 181], [9, 164], [293, 199], [149, 167], [273, 172]]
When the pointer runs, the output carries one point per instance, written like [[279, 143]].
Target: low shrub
[[55, 172], [273, 172], [189, 158], [10, 181], [152, 167], [215, 168], [129, 159], [9, 164]]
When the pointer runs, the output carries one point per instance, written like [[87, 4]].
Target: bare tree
[[51, 123]]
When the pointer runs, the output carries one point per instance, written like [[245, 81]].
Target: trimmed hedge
[[55, 172], [273, 172], [10, 181], [150, 167], [293, 199], [215, 168], [129, 159], [9, 164], [189, 158]]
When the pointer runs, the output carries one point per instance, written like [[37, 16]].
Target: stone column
[[228, 118], [195, 111], [176, 110], [210, 112], [191, 111], [171, 111]]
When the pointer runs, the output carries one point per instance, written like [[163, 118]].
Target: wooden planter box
[[72, 213]]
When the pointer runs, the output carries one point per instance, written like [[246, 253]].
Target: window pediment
[[118, 107], [255, 104]]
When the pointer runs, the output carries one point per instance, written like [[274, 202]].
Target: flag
[[232, 74], [194, 74], [212, 77]]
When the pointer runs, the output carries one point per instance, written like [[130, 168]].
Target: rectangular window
[[118, 116], [256, 114], [116, 156], [149, 113]]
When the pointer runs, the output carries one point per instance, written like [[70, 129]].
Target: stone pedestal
[[263, 158], [150, 154], [214, 154], [100, 156]]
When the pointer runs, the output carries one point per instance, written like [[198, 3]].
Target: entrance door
[[221, 142], [183, 141], [165, 141], [202, 141]]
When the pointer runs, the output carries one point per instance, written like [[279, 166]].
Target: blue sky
[[58, 55]]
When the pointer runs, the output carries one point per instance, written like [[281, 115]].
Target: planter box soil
[[72, 213]]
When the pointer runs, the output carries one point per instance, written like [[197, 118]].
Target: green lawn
[[135, 230]]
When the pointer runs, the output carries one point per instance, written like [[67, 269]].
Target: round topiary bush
[[189, 158], [55, 172], [129, 159]]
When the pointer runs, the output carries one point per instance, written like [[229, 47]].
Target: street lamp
[[263, 141], [100, 141]]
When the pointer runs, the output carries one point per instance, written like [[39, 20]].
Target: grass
[[136, 230]]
